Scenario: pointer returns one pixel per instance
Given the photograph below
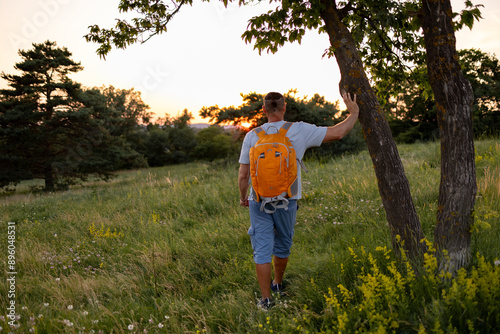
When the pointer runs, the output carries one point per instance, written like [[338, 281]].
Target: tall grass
[[166, 250]]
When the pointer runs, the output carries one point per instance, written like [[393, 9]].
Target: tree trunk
[[393, 185], [49, 178], [454, 96]]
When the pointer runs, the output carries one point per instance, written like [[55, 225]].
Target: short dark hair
[[274, 102]]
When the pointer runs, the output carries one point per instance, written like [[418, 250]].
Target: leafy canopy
[[412, 113]]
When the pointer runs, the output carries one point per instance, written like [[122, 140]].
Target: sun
[[245, 125]]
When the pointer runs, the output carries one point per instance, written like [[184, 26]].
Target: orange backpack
[[273, 169]]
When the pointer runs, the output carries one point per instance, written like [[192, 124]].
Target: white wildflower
[[68, 323]]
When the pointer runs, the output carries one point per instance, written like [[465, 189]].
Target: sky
[[201, 60]]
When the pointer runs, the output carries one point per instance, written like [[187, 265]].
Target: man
[[271, 233]]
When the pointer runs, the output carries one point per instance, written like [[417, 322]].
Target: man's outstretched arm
[[338, 131]]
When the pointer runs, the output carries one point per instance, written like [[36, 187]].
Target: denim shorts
[[271, 233]]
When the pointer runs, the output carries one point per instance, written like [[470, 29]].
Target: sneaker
[[277, 288], [264, 304]]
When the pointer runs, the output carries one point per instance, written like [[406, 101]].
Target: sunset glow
[[245, 125]]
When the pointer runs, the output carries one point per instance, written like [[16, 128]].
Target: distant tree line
[[54, 129], [314, 110]]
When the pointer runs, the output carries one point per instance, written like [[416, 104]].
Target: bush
[[352, 143], [380, 294]]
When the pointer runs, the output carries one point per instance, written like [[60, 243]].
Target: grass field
[[166, 250]]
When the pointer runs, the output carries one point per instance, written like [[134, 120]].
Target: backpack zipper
[[261, 156], [278, 154]]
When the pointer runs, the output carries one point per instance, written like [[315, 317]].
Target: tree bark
[[454, 96], [393, 185], [49, 178]]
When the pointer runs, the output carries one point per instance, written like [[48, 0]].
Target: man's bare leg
[[279, 269], [264, 278]]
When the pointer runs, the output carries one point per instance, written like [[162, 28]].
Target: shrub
[[382, 293]]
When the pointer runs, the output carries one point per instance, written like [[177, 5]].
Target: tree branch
[[343, 12]]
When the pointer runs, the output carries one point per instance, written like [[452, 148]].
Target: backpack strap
[[285, 127], [259, 132], [278, 202]]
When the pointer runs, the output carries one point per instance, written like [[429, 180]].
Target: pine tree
[[47, 130]]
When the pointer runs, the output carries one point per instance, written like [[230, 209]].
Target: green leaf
[[467, 18]]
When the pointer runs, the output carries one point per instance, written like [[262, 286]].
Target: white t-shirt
[[302, 135]]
